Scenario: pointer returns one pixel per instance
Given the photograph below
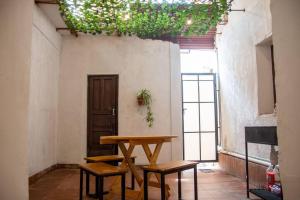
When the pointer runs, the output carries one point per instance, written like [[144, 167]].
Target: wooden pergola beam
[[62, 29], [73, 32], [46, 2]]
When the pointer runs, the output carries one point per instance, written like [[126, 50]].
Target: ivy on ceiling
[[143, 18]]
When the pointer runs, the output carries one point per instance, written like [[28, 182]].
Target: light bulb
[[126, 17], [189, 22]]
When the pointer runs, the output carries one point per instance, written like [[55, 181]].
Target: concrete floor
[[63, 184]]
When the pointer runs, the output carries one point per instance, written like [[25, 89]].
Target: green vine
[[143, 18], [144, 98]]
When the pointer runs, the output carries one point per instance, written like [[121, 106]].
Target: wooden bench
[[168, 168], [111, 159], [108, 158], [101, 170]]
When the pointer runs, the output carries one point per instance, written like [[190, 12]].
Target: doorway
[[200, 121], [102, 113], [200, 103]]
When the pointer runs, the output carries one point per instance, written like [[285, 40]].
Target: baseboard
[[67, 166], [236, 166], [32, 179]]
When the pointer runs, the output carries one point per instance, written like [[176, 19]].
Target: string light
[[189, 22]]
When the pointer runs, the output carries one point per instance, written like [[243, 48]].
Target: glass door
[[200, 117]]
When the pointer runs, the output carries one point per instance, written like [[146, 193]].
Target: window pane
[[208, 146], [190, 91], [206, 90], [191, 146], [207, 117], [191, 117]]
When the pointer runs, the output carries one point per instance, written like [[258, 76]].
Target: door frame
[[216, 115], [88, 104]]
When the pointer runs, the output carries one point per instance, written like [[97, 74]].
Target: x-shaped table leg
[[152, 158], [127, 155], [126, 162]]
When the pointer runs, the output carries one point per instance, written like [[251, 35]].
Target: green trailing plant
[[143, 18], [144, 99]]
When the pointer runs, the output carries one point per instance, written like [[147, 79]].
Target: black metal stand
[[260, 135], [162, 182], [99, 184], [115, 163]]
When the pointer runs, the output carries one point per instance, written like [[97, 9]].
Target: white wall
[[46, 43], [238, 74], [15, 40], [286, 32], [140, 64]]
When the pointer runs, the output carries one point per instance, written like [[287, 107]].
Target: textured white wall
[[46, 43], [286, 32], [238, 74], [140, 64], [15, 40], [176, 102]]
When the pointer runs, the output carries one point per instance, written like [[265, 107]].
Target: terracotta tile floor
[[63, 184]]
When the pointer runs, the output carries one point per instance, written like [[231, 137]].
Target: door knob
[[113, 111]]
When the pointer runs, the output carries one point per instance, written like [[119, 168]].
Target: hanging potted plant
[[144, 99]]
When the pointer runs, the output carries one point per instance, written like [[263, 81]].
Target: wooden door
[[102, 113]]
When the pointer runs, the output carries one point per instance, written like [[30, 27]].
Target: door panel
[[206, 91], [208, 144], [207, 117], [102, 113], [190, 93], [191, 117], [191, 146]]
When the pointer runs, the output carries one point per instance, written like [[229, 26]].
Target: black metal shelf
[[264, 194], [260, 135]]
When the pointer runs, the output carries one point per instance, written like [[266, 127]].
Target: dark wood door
[[102, 113]]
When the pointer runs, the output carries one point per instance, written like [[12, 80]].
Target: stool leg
[[145, 185], [123, 186], [87, 183], [195, 183], [162, 186], [132, 177], [80, 184], [100, 189], [179, 185], [96, 186]]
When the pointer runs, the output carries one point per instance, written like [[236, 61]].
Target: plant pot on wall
[[140, 101], [144, 99]]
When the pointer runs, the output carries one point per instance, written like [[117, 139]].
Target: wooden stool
[[108, 158], [111, 159], [168, 168], [101, 170]]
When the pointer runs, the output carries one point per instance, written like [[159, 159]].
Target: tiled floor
[[63, 184]]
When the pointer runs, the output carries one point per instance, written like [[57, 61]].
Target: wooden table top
[[136, 139]]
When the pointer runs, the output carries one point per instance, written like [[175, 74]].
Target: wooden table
[[144, 141]]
